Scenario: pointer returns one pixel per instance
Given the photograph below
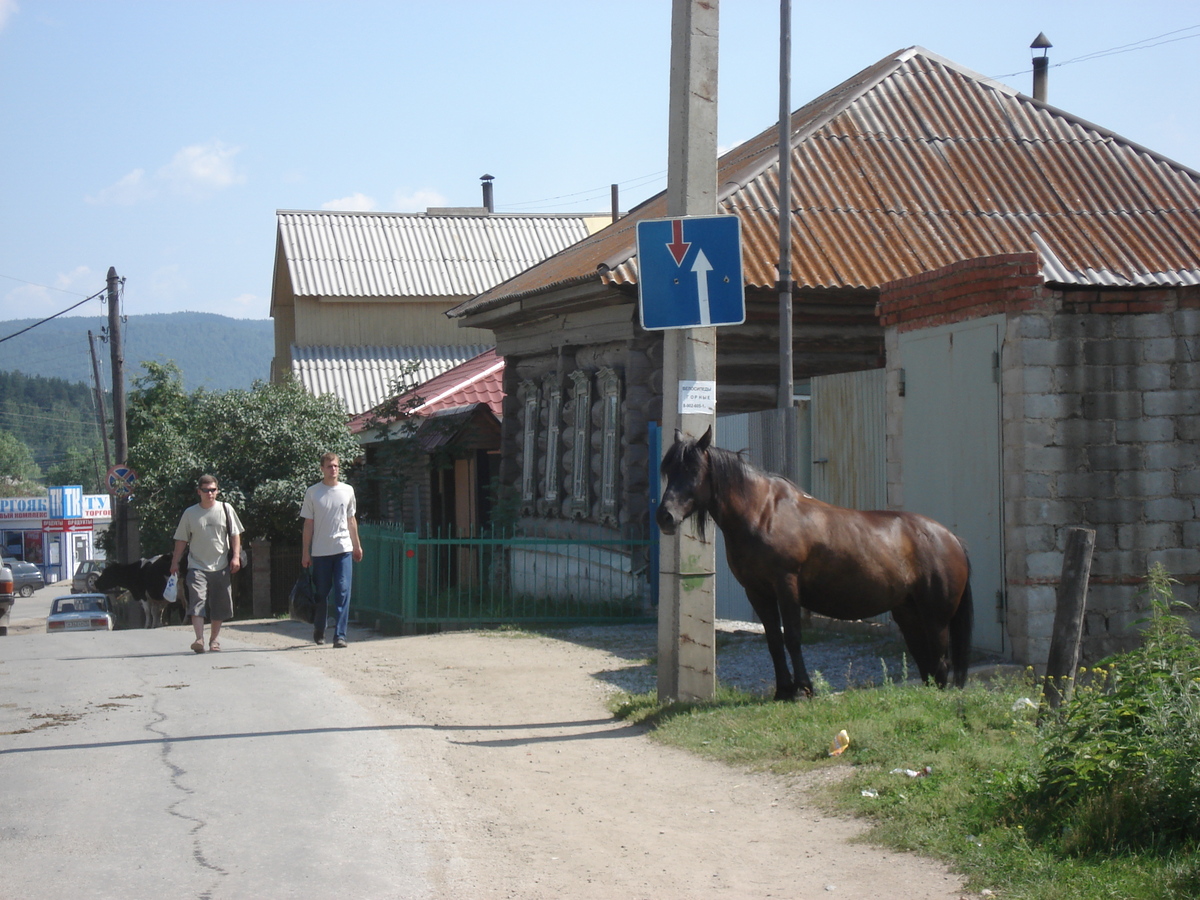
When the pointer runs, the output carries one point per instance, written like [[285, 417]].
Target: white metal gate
[[762, 436], [849, 441], [951, 451]]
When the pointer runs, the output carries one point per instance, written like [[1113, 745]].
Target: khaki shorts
[[212, 590]]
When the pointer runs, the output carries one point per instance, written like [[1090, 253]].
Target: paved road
[[130, 769]]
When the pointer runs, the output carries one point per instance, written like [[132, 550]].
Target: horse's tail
[[962, 625]]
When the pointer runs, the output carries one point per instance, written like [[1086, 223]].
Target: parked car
[[27, 577], [6, 597], [86, 574], [80, 612]]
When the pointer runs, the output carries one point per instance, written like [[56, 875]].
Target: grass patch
[[1102, 801]]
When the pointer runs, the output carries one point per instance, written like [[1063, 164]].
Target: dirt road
[[544, 795]]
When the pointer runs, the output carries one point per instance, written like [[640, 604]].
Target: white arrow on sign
[[701, 267]]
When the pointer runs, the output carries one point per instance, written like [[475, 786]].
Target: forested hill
[[212, 351]]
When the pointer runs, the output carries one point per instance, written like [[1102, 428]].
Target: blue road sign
[[690, 272]]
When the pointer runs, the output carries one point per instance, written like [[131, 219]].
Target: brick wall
[[1100, 428]]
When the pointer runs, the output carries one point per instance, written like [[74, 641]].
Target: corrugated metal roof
[[917, 162], [363, 377], [355, 254]]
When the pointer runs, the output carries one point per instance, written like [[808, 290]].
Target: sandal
[[214, 646], [197, 646]]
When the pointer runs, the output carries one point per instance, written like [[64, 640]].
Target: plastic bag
[[300, 601], [170, 591]]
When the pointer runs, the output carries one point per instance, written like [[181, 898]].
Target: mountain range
[[212, 351]]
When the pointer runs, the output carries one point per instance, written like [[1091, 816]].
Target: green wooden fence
[[411, 583]]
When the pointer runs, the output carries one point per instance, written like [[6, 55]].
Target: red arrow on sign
[[677, 246]]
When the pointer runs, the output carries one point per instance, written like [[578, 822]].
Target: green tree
[[80, 466], [263, 445], [17, 468]]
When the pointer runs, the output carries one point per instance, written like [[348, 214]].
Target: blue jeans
[[332, 573]]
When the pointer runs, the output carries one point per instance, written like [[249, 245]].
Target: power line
[[1143, 44], [48, 318]]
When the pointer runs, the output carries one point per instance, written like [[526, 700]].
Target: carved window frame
[[531, 402], [552, 393], [609, 383], [581, 396]]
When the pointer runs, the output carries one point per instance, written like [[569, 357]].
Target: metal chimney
[[1040, 66], [487, 193]]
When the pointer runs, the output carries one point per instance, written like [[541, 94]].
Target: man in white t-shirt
[[329, 544]]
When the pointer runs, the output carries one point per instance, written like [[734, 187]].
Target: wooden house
[[1028, 283]]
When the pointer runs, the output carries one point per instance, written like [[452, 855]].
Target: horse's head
[[689, 487]]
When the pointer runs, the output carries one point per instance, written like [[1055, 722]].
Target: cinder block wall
[[1100, 402]]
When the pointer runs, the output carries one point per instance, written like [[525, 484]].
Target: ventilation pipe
[[488, 204], [615, 193], [1040, 66]]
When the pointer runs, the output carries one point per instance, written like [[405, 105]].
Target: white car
[[80, 612]]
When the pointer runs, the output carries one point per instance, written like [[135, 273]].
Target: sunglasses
[[209, 490]]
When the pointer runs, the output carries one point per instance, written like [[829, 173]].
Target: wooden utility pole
[[1068, 617], [101, 420], [120, 437], [687, 659]]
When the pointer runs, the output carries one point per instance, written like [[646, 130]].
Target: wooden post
[[687, 653], [1068, 617]]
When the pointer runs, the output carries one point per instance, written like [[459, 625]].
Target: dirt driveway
[[540, 793]]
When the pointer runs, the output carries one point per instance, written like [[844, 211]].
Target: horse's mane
[[728, 471]]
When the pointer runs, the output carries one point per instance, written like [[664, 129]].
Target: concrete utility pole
[[687, 659], [786, 386]]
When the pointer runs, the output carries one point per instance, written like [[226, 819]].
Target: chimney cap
[[487, 178], [1041, 42]]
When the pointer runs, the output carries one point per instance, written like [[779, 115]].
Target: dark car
[[27, 577], [86, 574]]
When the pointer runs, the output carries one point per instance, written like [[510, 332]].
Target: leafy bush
[[1119, 767]]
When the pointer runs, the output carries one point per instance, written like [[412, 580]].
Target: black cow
[[146, 580]]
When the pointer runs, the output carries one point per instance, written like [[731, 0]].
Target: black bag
[[242, 557], [300, 602]]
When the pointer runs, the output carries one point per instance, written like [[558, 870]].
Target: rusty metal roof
[[373, 254], [917, 162]]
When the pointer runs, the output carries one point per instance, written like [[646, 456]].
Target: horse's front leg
[[768, 613], [792, 614]]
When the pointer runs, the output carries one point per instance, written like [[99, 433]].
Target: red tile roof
[[478, 380]]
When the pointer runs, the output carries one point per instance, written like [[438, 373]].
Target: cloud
[[353, 203], [201, 168], [417, 201], [249, 303], [129, 190], [7, 9], [195, 171], [36, 301]]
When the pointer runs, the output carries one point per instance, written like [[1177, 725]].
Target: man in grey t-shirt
[[211, 533]]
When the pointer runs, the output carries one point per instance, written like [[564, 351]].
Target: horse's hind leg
[[768, 614], [930, 662], [793, 616]]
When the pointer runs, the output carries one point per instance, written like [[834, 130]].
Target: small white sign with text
[[697, 397]]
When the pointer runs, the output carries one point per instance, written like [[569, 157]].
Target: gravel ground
[[844, 654]]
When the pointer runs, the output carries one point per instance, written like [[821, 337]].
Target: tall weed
[[1119, 768]]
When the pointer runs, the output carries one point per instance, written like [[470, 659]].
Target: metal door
[[951, 451]]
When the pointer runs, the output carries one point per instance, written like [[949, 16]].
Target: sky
[[159, 137]]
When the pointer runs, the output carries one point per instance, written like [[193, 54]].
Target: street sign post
[[690, 272]]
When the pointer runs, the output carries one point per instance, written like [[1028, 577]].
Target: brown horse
[[790, 550]]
